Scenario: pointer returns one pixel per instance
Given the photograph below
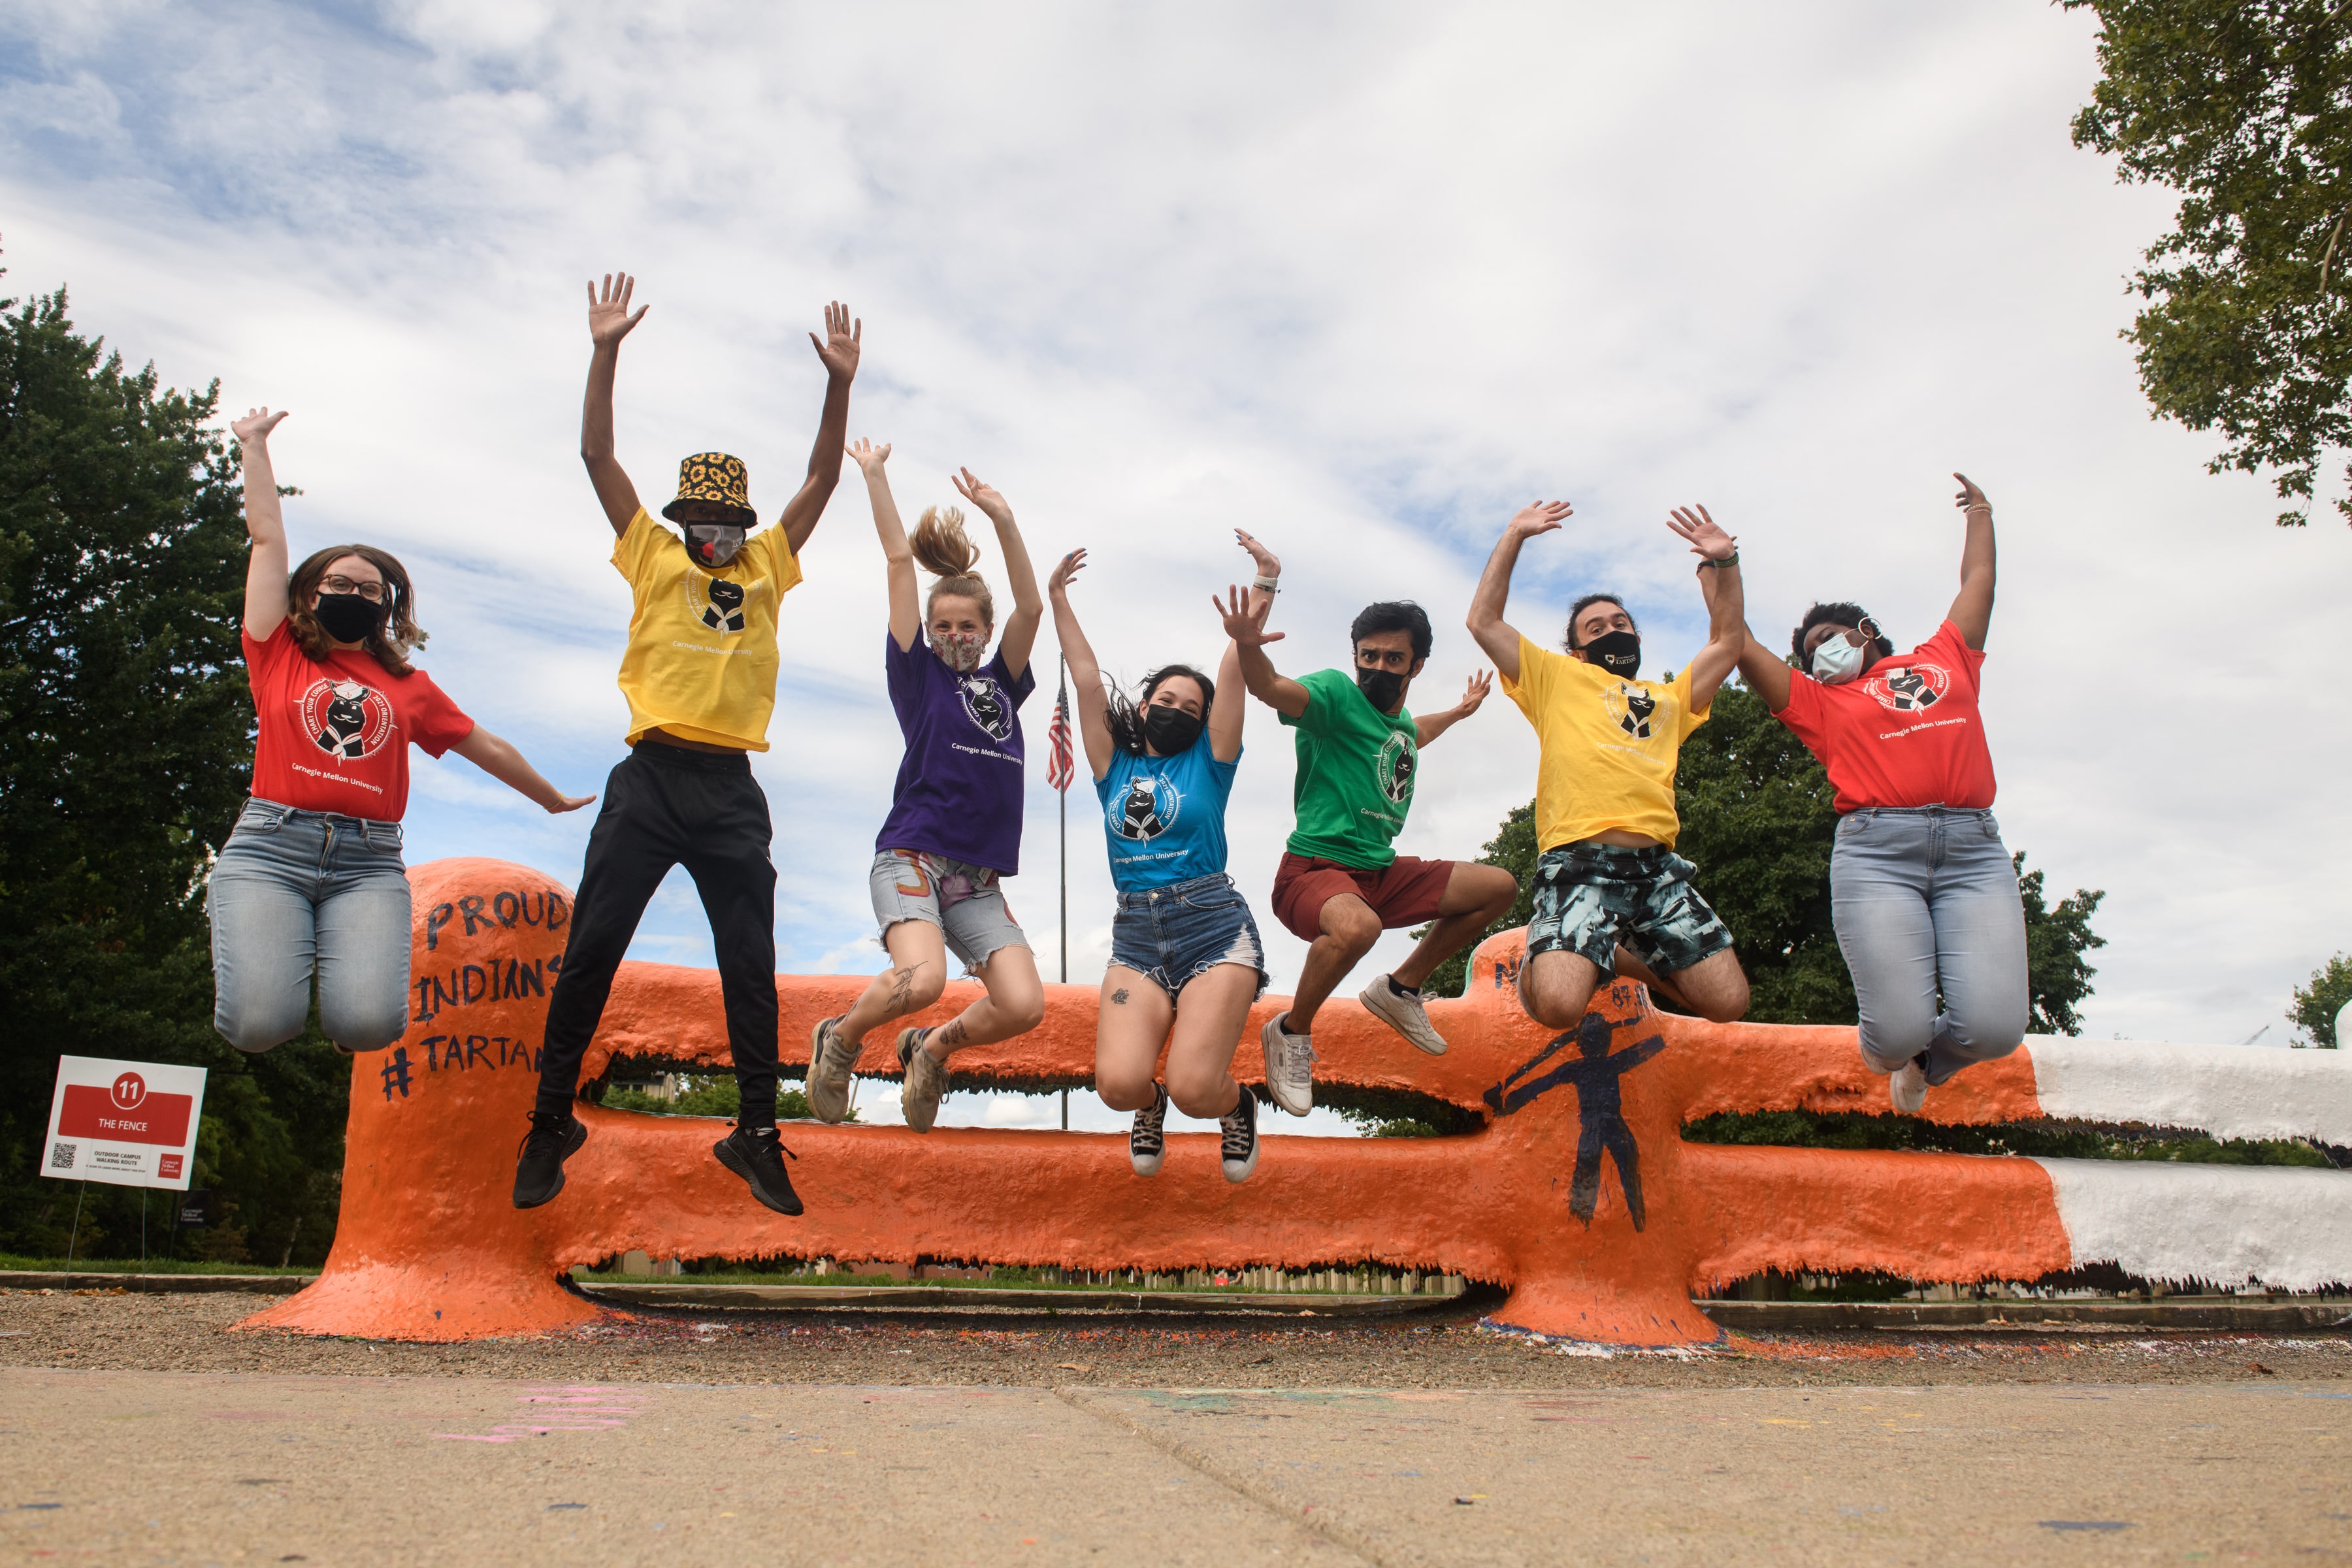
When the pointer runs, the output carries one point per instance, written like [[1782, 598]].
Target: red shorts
[[1404, 892]]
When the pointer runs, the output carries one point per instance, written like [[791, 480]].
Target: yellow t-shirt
[[701, 659], [1609, 746]]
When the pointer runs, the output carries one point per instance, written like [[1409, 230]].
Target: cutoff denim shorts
[[964, 900], [1175, 934]]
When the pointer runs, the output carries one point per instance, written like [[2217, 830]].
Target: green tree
[[2243, 107], [125, 748], [2316, 1005]]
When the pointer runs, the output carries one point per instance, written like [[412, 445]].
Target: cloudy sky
[[1358, 277]]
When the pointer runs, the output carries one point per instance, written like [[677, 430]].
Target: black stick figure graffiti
[[1596, 1076]]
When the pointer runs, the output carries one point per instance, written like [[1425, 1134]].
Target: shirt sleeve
[[781, 564], [634, 552], [1949, 646], [434, 723], [1533, 689], [1802, 715], [1316, 717], [1692, 717], [1018, 690]]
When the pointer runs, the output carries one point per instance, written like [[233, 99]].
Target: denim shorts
[[1175, 934], [1591, 897], [965, 901]]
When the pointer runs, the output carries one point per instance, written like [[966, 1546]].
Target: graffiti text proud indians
[[462, 986]]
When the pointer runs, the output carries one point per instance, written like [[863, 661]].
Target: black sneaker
[[1146, 1144], [757, 1154], [1241, 1145], [539, 1172]]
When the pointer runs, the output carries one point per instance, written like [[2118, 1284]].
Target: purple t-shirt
[[960, 788]]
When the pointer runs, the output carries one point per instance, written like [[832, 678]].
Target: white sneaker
[[831, 1057], [1146, 1142], [926, 1084], [1289, 1065], [1241, 1143], [1405, 1015], [1906, 1086]]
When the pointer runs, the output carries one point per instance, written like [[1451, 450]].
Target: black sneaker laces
[[1241, 1128], [543, 1126]]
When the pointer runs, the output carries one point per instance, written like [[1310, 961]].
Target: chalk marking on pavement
[[576, 1407]]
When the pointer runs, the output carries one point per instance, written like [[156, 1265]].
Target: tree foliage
[[2243, 107], [2316, 1005], [125, 748]]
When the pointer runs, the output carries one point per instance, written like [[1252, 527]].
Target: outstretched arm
[[1726, 623], [1497, 636], [1972, 610], [1230, 711], [498, 759], [1245, 625], [898, 558], [1028, 605], [1427, 727], [1094, 708], [839, 352], [608, 322], [265, 525], [1767, 673]]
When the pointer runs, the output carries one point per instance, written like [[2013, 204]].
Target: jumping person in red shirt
[[1922, 889], [310, 881]]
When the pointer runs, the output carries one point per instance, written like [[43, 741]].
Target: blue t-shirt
[[960, 786], [1164, 817]]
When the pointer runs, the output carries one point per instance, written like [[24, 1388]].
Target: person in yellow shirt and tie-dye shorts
[[1611, 897], [700, 673]]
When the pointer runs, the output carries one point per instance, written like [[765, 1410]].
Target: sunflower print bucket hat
[[715, 476]]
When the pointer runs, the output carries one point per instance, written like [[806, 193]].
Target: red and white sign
[[132, 1123]]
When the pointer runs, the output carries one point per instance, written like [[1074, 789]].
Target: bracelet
[[1268, 584], [1978, 506], [1730, 560]]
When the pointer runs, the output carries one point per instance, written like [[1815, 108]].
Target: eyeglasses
[[336, 583]]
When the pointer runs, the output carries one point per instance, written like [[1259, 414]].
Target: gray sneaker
[[1906, 1087], [831, 1057], [926, 1084], [1289, 1065], [1404, 1014]]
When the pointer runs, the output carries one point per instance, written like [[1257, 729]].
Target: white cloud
[[1358, 277]]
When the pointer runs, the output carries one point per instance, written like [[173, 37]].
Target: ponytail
[[944, 548]]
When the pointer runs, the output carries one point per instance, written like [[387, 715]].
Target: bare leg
[[1349, 927], [1476, 896], [1014, 1005], [1631, 968], [1556, 987], [918, 973], [1716, 987], [1208, 1020], [1131, 1026]]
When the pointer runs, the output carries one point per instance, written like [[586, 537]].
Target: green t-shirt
[[1356, 767]]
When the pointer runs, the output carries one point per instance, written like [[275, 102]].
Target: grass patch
[[11, 1263]]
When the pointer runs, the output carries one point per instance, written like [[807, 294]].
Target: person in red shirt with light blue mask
[[1923, 892]]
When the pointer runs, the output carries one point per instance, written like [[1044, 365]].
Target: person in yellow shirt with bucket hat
[[700, 673], [1612, 896]]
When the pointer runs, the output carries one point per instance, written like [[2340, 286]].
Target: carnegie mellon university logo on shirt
[[716, 601], [1394, 768], [1914, 688], [346, 718], [1146, 810], [984, 705], [1630, 708]]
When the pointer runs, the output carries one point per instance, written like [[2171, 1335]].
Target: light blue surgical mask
[[1841, 658]]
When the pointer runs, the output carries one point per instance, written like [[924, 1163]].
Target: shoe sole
[[1270, 1042], [910, 1040], [816, 1054], [725, 1151], [1399, 1015], [1142, 1168], [578, 1143]]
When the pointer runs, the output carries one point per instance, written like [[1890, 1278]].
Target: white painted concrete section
[[2229, 1091], [2289, 1228]]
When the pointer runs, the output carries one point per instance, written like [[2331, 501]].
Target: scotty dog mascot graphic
[[1632, 707], [1395, 769], [1911, 690], [985, 706], [347, 718], [1145, 811], [724, 610]]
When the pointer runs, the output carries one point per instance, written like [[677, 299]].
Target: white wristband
[[1268, 584]]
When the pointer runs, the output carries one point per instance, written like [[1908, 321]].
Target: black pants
[[666, 807]]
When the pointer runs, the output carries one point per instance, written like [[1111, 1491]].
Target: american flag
[[1058, 769]]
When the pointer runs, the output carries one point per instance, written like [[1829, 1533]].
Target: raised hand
[[1473, 694], [840, 348], [982, 495], [1268, 565], [1970, 497], [1539, 517], [256, 425], [1070, 566], [1700, 532], [868, 456], [608, 315], [1244, 625]]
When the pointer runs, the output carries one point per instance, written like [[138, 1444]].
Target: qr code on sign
[[61, 1157]]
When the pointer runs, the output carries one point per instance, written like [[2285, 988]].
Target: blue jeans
[[298, 893], [1173, 935], [1925, 900]]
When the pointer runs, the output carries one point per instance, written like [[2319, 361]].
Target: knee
[[1353, 931], [1124, 1090], [1553, 1006], [1986, 1039], [1204, 1096], [1501, 891], [363, 1028], [253, 1034], [1022, 1008], [925, 986], [1727, 1006]]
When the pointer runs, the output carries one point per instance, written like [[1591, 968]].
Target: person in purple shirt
[[954, 827]]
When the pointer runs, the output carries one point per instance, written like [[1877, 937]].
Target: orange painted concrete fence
[[1579, 1195]]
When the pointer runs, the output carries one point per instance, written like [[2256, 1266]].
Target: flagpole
[[1065, 793]]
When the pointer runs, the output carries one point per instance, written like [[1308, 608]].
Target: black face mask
[[1170, 731], [1619, 653], [347, 617], [1384, 687]]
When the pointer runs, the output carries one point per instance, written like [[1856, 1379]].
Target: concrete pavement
[[135, 1467]]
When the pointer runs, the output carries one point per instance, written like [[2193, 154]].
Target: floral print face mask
[[962, 651]]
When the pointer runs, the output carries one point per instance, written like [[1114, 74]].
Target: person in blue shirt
[[1186, 961]]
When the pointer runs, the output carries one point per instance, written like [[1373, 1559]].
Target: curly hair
[[1837, 614], [395, 637], [1127, 718], [944, 548]]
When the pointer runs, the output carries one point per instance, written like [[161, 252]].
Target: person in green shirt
[[1341, 883]]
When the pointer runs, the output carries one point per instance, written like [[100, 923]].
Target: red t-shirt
[[1907, 733], [334, 734]]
